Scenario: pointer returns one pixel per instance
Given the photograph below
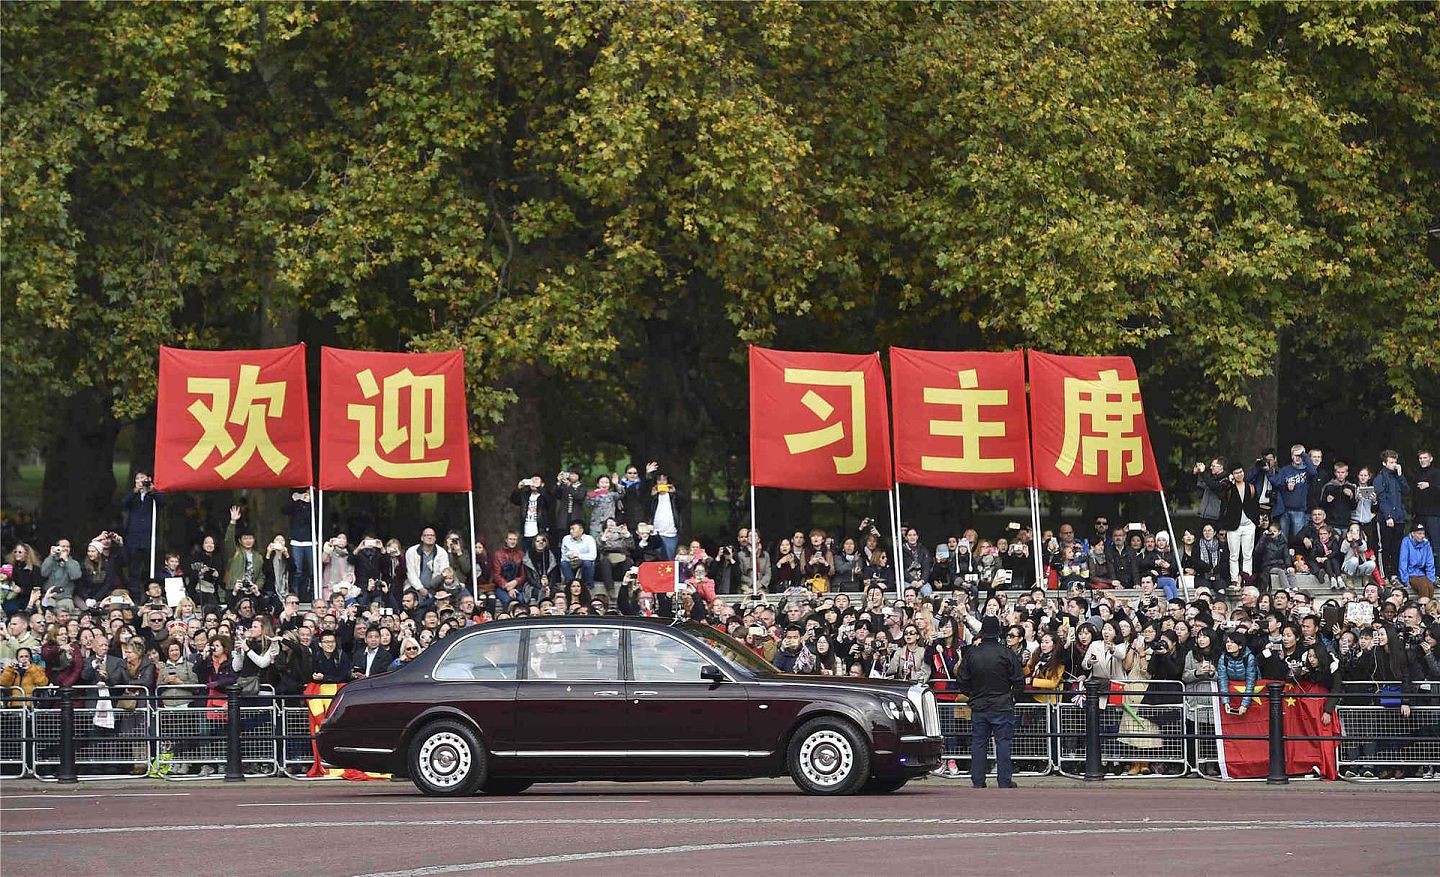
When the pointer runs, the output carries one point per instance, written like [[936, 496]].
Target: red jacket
[[498, 560]]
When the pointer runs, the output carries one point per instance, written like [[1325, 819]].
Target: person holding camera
[[59, 576], [245, 572], [140, 509]]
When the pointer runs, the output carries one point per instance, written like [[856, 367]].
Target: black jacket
[[1339, 503], [989, 674], [381, 664], [1231, 505], [335, 668], [544, 509]]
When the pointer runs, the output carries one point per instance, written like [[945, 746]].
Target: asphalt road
[[1140, 827]]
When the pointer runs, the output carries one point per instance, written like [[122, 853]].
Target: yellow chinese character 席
[[802, 442], [1112, 405], [254, 403], [424, 428], [970, 427]]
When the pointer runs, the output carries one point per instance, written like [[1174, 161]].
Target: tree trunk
[[517, 454], [78, 495], [279, 326], [1245, 434]]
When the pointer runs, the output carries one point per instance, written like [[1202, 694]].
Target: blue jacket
[[1294, 488], [1416, 559], [1390, 493], [1230, 668]]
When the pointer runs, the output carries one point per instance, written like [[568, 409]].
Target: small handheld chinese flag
[[393, 422], [818, 421], [658, 577], [232, 419], [1089, 425], [960, 420]]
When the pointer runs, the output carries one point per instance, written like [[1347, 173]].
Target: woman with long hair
[[25, 576], [63, 657], [818, 562], [788, 571]]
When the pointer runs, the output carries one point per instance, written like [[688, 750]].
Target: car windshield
[[731, 649]]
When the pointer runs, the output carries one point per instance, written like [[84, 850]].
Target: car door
[[479, 674], [675, 714], [570, 702]]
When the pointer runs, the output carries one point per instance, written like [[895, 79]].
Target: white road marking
[[61, 796], [1158, 824], [407, 802], [22, 809], [740, 845]]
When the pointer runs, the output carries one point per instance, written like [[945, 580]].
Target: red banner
[[960, 419], [1089, 425], [393, 422], [319, 696], [818, 421], [1249, 759], [232, 419]]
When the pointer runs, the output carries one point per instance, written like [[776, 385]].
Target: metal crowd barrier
[[181, 729], [1030, 750], [109, 742], [295, 755], [14, 722], [1130, 733], [1388, 739]]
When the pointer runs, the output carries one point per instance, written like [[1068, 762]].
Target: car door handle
[[607, 693], [644, 693]]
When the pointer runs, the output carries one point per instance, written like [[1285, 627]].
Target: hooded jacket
[[1295, 485], [1416, 559]]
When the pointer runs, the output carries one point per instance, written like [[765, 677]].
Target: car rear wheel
[[446, 758], [828, 756], [877, 786], [498, 786]]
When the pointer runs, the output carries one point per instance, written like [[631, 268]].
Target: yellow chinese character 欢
[[424, 428], [970, 428], [1112, 405], [254, 403], [802, 442]]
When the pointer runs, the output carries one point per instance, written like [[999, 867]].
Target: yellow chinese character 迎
[[254, 403], [802, 442], [970, 428], [1112, 405], [424, 430]]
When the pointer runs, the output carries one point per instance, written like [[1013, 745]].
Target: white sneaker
[[207, 770]]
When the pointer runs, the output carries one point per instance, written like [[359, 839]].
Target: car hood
[[874, 686]]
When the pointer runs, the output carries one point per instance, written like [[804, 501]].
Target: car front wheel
[[446, 758], [828, 756]]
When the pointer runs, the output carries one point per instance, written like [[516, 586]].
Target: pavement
[[280, 827]]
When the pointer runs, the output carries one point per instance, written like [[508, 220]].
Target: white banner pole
[[1175, 548], [899, 550], [1037, 545], [154, 525], [474, 570], [314, 547], [754, 547], [319, 538]]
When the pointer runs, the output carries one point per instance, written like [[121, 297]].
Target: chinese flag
[[393, 422], [232, 419], [658, 576], [818, 421], [1248, 759], [960, 419], [1089, 425]]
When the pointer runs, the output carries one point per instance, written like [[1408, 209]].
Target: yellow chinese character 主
[[803, 442], [1112, 406], [970, 428], [424, 428], [254, 403]]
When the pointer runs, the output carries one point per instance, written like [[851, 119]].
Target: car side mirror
[[712, 674]]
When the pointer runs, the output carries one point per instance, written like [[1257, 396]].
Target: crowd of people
[[1207, 609]]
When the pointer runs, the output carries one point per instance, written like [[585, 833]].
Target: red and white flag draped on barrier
[[228, 419], [319, 696], [818, 421], [960, 419], [1088, 425], [1249, 759], [393, 422]]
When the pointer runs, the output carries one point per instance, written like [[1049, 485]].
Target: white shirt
[[583, 548], [664, 516]]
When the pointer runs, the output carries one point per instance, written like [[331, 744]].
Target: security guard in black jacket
[[989, 674]]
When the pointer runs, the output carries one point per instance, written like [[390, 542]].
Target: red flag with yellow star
[[658, 576], [1250, 759]]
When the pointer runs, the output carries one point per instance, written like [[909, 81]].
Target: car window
[[574, 653], [486, 657], [658, 658]]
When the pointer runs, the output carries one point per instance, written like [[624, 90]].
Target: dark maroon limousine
[[498, 707]]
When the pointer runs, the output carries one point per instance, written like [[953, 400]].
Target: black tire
[[878, 786], [502, 786], [828, 756], [446, 759]]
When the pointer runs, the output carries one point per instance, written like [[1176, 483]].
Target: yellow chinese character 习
[[970, 427], [254, 403], [802, 442], [1112, 405], [424, 428]]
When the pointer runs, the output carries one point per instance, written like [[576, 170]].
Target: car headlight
[[910, 715], [892, 709]]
